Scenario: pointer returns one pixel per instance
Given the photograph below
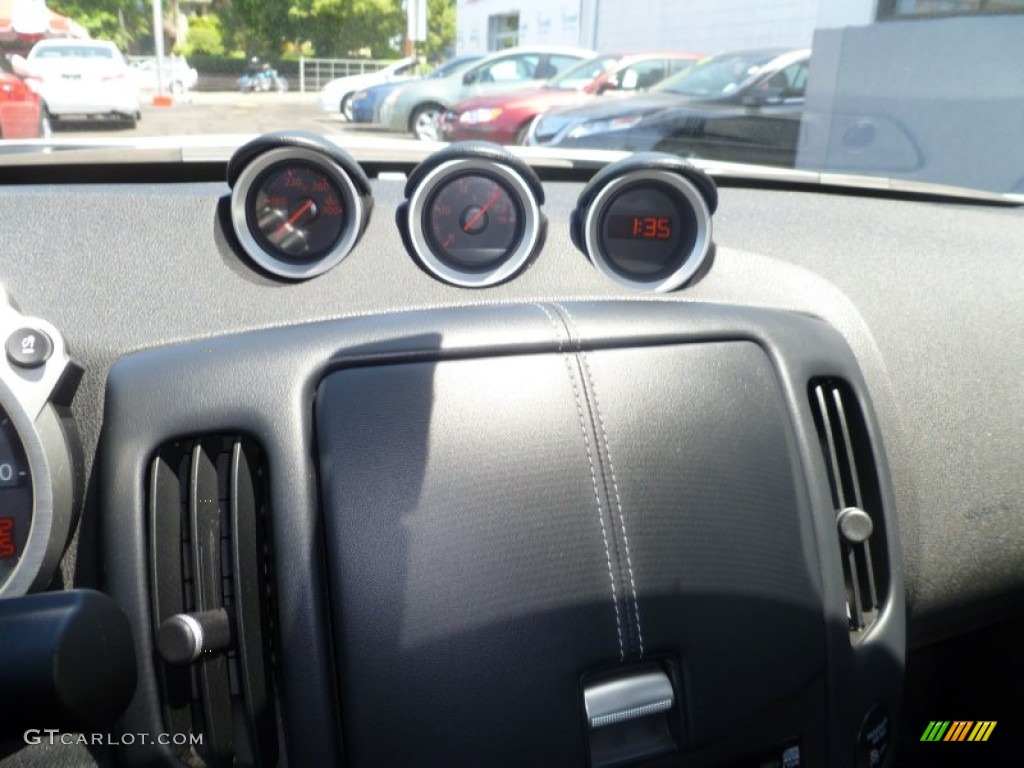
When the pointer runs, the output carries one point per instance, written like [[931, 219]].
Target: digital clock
[[640, 227]]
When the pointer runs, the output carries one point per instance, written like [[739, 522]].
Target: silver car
[[416, 107]]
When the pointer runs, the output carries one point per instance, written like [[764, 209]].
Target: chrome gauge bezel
[[245, 187], [679, 187], [527, 205]]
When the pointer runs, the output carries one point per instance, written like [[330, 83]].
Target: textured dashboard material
[[927, 295]]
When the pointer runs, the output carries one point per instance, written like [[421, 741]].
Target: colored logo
[[958, 730]]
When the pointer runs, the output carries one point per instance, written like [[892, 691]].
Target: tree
[[258, 27], [440, 30], [126, 22], [350, 27], [204, 36]]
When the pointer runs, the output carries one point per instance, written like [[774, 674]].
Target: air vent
[[853, 480], [210, 556]]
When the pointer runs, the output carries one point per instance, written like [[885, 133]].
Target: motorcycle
[[262, 81]]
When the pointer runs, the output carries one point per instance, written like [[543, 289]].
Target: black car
[[742, 107]]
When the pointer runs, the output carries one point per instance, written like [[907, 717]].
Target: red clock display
[[640, 227], [7, 548]]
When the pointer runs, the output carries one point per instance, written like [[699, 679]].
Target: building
[[695, 25]]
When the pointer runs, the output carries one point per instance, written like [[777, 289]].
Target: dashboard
[[531, 468]]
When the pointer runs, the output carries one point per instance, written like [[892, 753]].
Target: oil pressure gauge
[[473, 215]]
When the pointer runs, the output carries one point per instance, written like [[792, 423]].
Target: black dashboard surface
[[927, 294]]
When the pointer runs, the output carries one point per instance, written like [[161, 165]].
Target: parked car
[[336, 96], [366, 103], [505, 118], [417, 106], [22, 113], [742, 107], [87, 78], [178, 76]]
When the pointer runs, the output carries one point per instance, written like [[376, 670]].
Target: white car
[[82, 77], [336, 96], [178, 76]]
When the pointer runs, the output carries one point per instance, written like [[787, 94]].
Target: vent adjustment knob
[[855, 525], [185, 637]]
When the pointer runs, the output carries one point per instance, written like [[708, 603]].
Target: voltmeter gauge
[[473, 220]]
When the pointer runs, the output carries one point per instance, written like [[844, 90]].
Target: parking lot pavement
[[222, 113]]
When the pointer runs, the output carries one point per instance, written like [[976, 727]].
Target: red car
[[22, 115], [505, 118]]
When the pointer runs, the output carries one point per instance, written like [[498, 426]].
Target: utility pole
[[158, 43], [415, 25]]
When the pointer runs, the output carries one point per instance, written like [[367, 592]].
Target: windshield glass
[[715, 77], [918, 90], [582, 74]]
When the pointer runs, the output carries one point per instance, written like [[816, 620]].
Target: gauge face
[[297, 211], [473, 221], [15, 498], [647, 231]]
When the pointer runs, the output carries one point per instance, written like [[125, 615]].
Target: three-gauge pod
[[472, 214]]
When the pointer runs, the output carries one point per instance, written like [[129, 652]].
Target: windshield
[[582, 74], [918, 90], [716, 77]]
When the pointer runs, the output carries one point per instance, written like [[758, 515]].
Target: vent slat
[[851, 461], [214, 684], [250, 607], [831, 456], [166, 524], [853, 483]]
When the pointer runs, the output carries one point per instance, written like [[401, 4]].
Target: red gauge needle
[[280, 231], [476, 216]]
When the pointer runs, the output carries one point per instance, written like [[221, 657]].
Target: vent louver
[[856, 497], [209, 551]]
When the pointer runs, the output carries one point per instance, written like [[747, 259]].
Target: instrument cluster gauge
[[40, 458], [472, 217], [645, 221], [298, 204]]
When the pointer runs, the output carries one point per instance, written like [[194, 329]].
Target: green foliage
[[204, 36], [440, 30], [257, 27], [126, 22], [342, 28], [269, 28]]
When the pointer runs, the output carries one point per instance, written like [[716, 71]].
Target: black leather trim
[[609, 500]]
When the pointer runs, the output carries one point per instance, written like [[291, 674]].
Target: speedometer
[[15, 497]]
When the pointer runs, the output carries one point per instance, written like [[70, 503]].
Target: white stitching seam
[[611, 469], [593, 478]]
